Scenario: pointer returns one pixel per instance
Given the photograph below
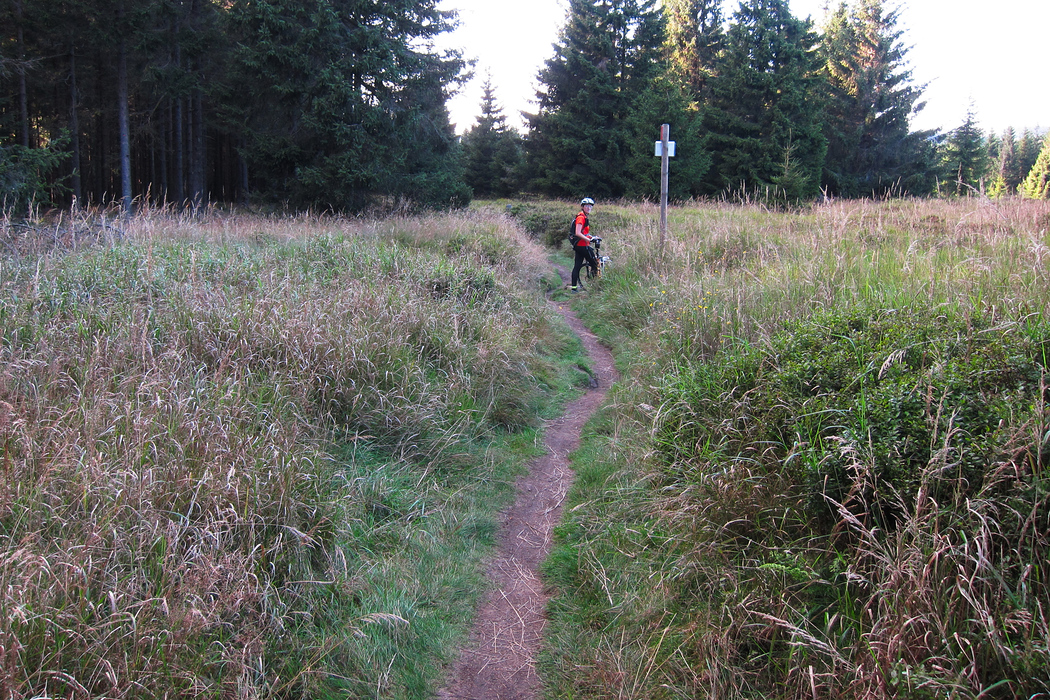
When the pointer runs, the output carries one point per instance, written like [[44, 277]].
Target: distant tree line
[[761, 104], [341, 104]]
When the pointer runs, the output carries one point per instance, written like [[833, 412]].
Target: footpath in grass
[[499, 661], [825, 472], [248, 456], [261, 457]]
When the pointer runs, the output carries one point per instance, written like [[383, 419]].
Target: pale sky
[[992, 54]]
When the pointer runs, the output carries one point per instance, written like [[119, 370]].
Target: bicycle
[[596, 269]]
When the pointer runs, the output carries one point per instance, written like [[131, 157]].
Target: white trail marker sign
[[664, 149]]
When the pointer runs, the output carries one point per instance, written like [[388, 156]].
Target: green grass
[[824, 475], [258, 456], [413, 550], [264, 457]]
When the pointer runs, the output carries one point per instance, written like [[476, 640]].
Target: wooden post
[[665, 159]]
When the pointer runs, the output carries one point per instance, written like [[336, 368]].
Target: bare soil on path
[[498, 661]]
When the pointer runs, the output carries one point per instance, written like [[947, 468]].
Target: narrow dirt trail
[[498, 661]]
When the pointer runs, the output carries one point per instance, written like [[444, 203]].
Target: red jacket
[[582, 220]]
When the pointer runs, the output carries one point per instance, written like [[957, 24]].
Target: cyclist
[[582, 248]]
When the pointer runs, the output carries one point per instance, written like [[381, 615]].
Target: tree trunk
[[74, 129], [23, 92], [197, 159], [125, 126], [100, 172], [191, 153], [242, 168], [197, 151], [164, 134], [179, 148]]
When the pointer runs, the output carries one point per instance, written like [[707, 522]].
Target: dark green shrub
[[547, 222], [25, 176], [869, 478], [886, 392]]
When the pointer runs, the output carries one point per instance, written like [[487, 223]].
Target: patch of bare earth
[[498, 661]]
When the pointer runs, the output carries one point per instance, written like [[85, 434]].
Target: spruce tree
[[1037, 184], [355, 101], [964, 160], [1010, 160], [871, 149], [606, 57], [491, 150], [1004, 158], [678, 97], [65, 77], [1028, 147], [764, 113], [693, 40], [426, 152], [666, 101]]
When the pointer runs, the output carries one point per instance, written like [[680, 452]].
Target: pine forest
[[341, 105]]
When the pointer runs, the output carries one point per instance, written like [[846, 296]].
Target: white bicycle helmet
[[586, 200]]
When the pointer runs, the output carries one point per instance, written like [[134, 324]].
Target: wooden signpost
[[664, 149]]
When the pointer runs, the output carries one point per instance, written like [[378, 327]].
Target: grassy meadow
[[824, 473], [263, 457], [260, 457]]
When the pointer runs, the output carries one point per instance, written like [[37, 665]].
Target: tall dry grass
[[176, 517], [752, 520]]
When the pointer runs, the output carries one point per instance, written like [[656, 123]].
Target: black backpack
[[573, 238]]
